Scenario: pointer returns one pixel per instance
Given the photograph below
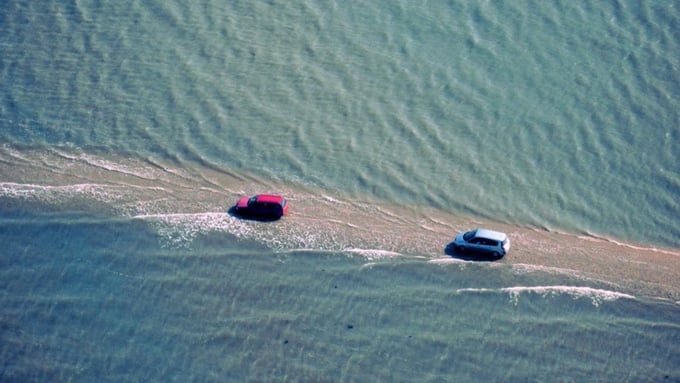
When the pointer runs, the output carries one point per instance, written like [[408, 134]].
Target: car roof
[[269, 198], [491, 234]]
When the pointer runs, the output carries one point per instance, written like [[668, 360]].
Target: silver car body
[[483, 241]]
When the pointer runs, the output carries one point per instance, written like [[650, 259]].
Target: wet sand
[[184, 202]]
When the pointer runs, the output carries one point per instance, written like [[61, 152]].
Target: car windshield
[[469, 235]]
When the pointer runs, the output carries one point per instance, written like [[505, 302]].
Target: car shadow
[[451, 251], [252, 217]]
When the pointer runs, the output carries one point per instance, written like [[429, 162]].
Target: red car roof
[[269, 198]]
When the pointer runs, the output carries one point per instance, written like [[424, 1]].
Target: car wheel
[[460, 249], [496, 254]]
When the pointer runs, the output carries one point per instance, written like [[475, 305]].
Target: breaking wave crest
[[56, 194], [597, 296], [183, 202]]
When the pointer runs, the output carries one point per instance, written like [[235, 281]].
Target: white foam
[[50, 193], [307, 250], [180, 229], [372, 253], [580, 275], [368, 265], [597, 296], [145, 172], [333, 200], [597, 238], [446, 260]]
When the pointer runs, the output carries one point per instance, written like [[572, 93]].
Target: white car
[[483, 241]]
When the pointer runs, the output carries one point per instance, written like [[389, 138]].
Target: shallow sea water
[[92, 298], [127, 132]]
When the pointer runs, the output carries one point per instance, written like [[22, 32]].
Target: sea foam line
[[145, 172], [372, 253], [597, 296], [180, 229], [26, 191], [597, 238], [98, 192]]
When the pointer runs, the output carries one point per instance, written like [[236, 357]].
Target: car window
[[485, 241], [267, 207], [469, 235]]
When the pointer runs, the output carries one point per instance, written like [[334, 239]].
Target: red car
[[262, 205]]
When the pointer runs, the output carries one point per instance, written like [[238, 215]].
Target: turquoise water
[[93, 298], [127, 131]]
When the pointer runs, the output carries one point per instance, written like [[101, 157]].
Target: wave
[[52, 193], [373, 253], [597, 296], [182, 205], [447, 260], [597, 238], [181, 229], [144, 172]]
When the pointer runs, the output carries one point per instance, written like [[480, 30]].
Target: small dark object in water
[[350, 326]]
